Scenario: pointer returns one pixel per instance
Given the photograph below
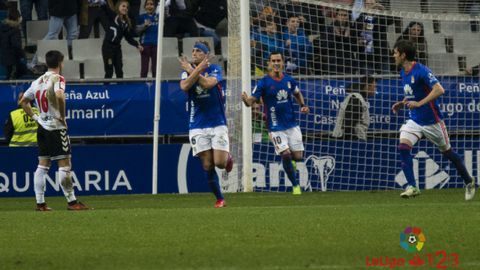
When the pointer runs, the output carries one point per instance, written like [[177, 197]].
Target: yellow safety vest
[[25, 128]]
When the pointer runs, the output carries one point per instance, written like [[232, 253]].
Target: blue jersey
[[206, 106], [277, 101], [417, 84], [149, 37]]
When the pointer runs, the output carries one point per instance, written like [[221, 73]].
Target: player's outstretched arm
[[248, 100], [398, 105], [301, 102], [437, 90]]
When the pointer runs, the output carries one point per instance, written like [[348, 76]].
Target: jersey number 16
[[42, 100]]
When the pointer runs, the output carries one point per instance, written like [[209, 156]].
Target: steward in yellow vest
[[21, 129]]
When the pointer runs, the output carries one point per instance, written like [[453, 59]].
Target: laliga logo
[[412, 239], [322, 167]]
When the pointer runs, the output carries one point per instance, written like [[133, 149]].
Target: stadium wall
[[126, 169]]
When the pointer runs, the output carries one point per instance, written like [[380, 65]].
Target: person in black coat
[[12, 55], [119, 26]]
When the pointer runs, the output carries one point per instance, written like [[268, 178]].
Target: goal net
[[351, 136]]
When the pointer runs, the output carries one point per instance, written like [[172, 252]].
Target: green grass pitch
[[333, 230]]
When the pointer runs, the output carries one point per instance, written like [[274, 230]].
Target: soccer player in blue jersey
[[207, 122], [422, 90], [276, 90]]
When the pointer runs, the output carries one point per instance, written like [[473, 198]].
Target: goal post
[[331, 49]]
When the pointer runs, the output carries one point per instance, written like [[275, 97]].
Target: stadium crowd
[[316, 40]]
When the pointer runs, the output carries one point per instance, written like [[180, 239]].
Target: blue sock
[[407, 163], [214, 184], [458, 163], [288, 167]]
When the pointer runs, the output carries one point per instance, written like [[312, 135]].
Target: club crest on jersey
[[289, 85], [282, 95], [412, 80]]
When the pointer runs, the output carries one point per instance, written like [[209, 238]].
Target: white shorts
[[287, 139], [203, 139], [436, 133]]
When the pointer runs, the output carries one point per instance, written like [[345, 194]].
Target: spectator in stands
[[353, 117], [310, 16], [26, 7], [62, 13], [416, 34], [119, 27], [297, 46], [12, 55], [374, 56], [338, 44], [179, 19], [3, 4], [94, 12], [209, 14], [260, 6], [265, 39], [473, 71], [147, 29], [20, 129]]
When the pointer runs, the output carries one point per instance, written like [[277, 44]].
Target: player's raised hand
[[204, 64], [305, 109], [185, 64]]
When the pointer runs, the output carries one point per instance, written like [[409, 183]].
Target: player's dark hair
[[53, 59], [406, 47], [275, 53]]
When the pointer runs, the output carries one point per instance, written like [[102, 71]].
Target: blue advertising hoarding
[[115, 109], [328, 165]]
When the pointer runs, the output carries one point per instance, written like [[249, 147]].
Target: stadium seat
[[43, 46], [455, 27], [392, 38], [71, 69], [437, 62], [86, 48], [190, 41], [170, 68], [405, 5], [436, 43], [131, 66], [473, 59], [93, 68], [36, 30], [466, 43], [128, 50], [170, 47]]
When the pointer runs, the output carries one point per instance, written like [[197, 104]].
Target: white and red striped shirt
[[43, 90]]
